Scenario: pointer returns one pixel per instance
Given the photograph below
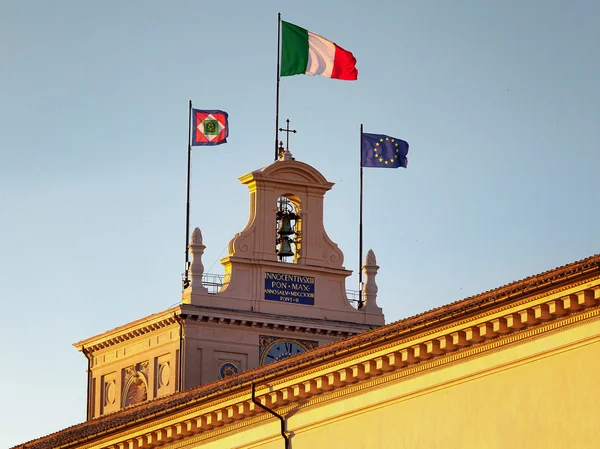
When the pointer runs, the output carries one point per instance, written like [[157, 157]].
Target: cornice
[[228, 410], [551, 279], [272, 322], [276, 266], [129, 331], [485, 315], [274, 174], [240, 318]]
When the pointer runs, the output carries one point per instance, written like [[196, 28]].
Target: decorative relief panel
[[108, 393], [135, 384], [162, 375], [230, 363], [228, 369]]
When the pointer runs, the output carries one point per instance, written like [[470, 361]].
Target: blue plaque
[[290, 288]]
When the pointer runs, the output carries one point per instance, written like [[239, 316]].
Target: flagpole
[[360, 225], [277, 94], [187, 206]]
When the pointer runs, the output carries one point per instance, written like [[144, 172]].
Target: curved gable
[[293, 171]]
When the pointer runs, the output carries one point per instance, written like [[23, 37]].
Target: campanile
[[282, 293]]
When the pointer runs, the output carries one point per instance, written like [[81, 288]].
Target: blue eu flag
[[379, 150]]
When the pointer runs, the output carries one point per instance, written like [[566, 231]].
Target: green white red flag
[[304, 52]]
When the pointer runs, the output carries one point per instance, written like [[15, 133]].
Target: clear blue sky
[[498, 100]]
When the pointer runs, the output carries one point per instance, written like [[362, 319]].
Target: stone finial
[[370, 259], [196, 268], [197, 236], [370, 286]]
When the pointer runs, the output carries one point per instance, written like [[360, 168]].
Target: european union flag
[[379, 150]]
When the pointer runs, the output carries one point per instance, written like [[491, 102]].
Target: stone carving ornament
[[136, 392], [136, 380], [164, 374], [228, 369], [110, 390]]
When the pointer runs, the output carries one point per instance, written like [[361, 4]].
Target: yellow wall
[[541, 393]]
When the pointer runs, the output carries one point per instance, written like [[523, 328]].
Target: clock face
[[281, 349]]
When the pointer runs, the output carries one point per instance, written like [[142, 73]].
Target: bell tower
[[284, 262], [283, 292]]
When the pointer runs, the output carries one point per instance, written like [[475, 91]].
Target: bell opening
[[287, 240]]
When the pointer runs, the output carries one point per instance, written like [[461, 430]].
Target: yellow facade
[[514, 367], [532, 395]]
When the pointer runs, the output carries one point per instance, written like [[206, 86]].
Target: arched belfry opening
[[288, 222]]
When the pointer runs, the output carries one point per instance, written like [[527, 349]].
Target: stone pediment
[[294, 172]]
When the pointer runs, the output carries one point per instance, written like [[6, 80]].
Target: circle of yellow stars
[[379, 156]]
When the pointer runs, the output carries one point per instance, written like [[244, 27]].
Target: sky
[[499, 102]]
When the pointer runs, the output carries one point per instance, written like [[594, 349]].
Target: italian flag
[[304, 52]]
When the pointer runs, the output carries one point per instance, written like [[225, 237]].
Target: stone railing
[[214, 282]]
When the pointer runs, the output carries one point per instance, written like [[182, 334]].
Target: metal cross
[[287, 131]]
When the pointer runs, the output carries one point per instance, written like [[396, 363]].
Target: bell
[[285, 249], [285, 227]]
